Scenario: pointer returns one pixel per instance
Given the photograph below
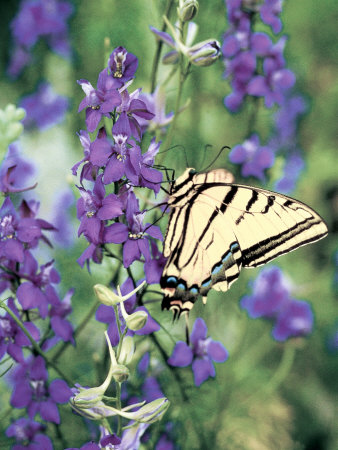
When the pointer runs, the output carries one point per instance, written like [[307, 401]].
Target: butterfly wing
[[215, 228]]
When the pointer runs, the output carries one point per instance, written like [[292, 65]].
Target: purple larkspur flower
[[32, 293], [45, 108], [253, 157], [117, 160], [269, 12], [106, 315], [156, 104], [89, 171], [151, 389], [94, 207], [201, 354], [15, 172], [136, 235], [12, 338], [20, 230], [32, 391], [58, 312], [29, 435], [131, 109], [130, 439], [87, 446], [164, 443], [271, 290], [122, 64], [20, 58], [271, 299], [101, 101]]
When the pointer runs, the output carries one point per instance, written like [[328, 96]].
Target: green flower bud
[[120, 373], [137, 320], [204, 53], [88, 398], [106, 295], [187, 10], [127, 350]]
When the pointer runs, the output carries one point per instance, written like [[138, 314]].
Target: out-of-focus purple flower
[[277, 80], [101, 101], [294, 165], [29, 435], [271, 299], [271, 290], [151, 389], [269, 12], [12, 338], [164, 443], [20, 58], [44, 108], [64, 234], [88, 446], [122, 64], [31, 391], [296, 319], [156, 104], [35, 19], [201, 354], [253, 157], [15, 172]]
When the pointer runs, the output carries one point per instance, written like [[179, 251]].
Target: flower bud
[[137, 320], [187, 10], [127, 350], [171, 57], [204, 53], [106, 295], [120, 373]]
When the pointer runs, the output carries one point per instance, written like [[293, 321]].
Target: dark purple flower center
[[201, 347], [40, 392]]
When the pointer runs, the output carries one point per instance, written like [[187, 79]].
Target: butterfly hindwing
[[216, 227]]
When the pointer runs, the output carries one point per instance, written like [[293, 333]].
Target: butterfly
[[216, 228]]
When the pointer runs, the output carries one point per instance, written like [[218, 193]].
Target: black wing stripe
[[265, 246], [253, 199]]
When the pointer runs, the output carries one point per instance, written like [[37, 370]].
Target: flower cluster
[[33, 297], [271, 299], [245, 51], [201, 354], [116, 217], [34, 20]]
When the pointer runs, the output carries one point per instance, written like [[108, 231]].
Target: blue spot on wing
[[206, 283], [216, 269], [181, 286], [193, 290]]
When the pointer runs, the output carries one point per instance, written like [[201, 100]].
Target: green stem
[[283, 369], [120, 342], [35, 346], [118, 406], [159, 48]]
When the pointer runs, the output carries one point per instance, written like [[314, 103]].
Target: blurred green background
[[256, 400]]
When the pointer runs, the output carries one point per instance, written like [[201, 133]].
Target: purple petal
[[100, 150], [217, 351], [49, 411], [22, 395], [165, 37], [203, 369], [111, 207], [59, 391], [105, 314], [93, 117], [131, 252], [181, 356], [199, 331], [115, 233]]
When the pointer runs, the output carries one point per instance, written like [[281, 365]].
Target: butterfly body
[[217, 227]]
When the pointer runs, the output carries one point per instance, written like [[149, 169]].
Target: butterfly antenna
[[215, 159]]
